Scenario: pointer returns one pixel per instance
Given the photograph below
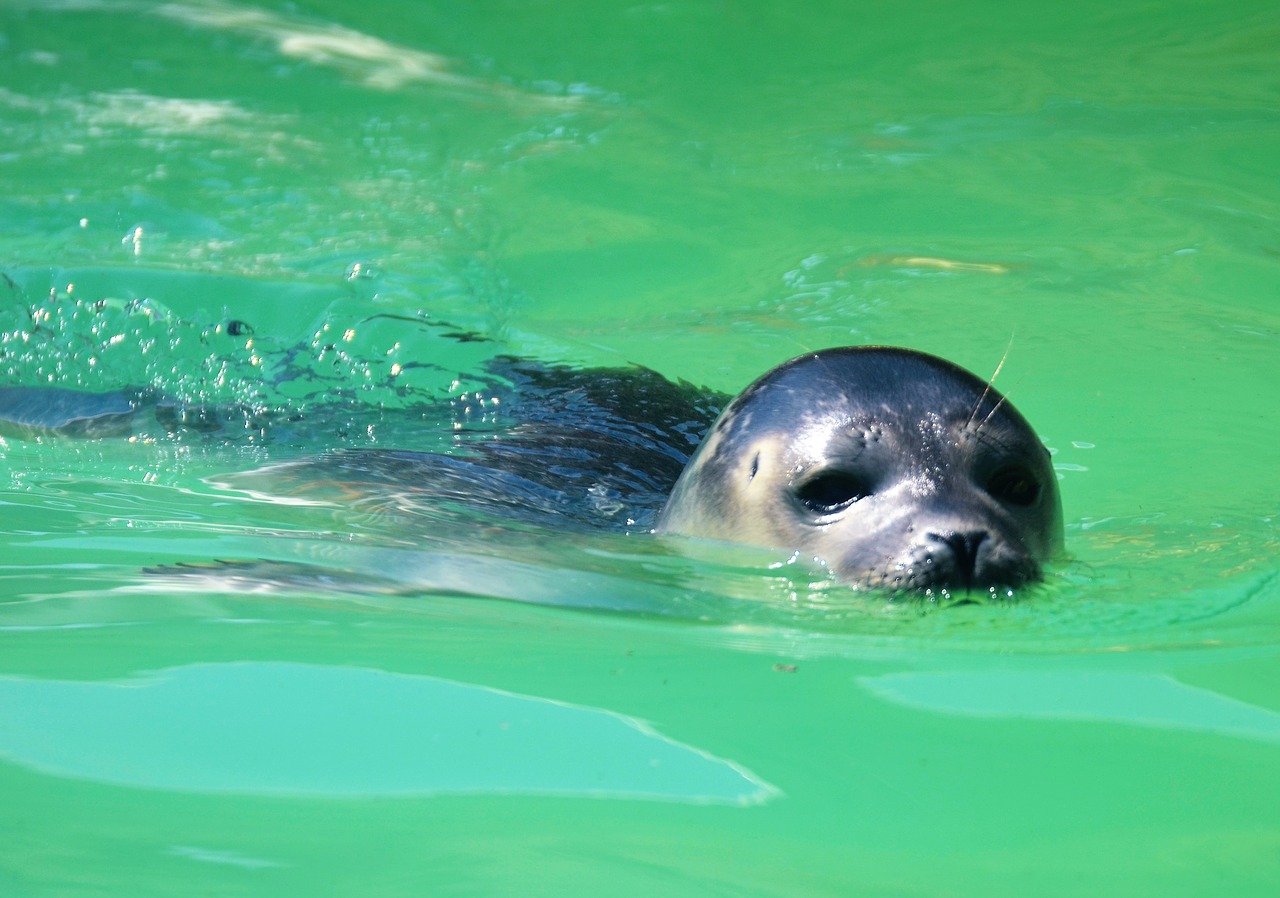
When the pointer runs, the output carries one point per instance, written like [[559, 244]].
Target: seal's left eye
[[831, 491], [1015, 485]]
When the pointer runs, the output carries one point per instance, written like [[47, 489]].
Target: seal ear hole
[[1014, 485], [831, 491]]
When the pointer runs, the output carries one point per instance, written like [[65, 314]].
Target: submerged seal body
[[898, 469]]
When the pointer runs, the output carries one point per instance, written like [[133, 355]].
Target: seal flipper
[[268, 576], [51, 411]]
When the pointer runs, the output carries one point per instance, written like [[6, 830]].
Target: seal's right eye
[[831, 491]]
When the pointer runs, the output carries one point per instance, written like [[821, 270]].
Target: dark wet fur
[[599, 448]]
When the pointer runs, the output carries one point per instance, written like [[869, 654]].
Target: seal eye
[[1014, 485], [831, 491]]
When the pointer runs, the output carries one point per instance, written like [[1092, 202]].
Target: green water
[[706, 189]]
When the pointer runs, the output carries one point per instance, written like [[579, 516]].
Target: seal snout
[[969, 559], [964, 553]]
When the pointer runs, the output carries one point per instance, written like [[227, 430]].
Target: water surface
[[293, 211]]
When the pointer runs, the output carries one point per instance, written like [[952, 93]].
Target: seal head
[[900, 470]]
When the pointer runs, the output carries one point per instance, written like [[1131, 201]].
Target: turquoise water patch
[[1134, 699], [291, 729]]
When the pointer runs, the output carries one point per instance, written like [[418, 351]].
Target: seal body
[[898, 469]]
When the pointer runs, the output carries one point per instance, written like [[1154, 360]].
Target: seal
[[898, 469]]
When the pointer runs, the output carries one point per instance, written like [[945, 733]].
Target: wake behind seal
[[900, 470]]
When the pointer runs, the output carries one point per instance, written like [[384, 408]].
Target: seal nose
[[964, 553]]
